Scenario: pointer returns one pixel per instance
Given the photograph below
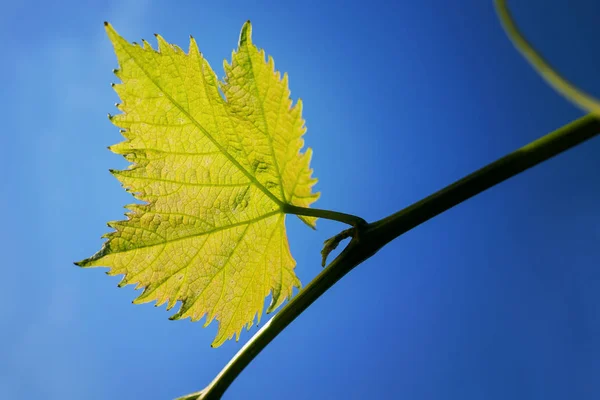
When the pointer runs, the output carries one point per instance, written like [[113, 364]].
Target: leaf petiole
[[349, 219]]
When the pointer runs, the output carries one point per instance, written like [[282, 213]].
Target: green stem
[[500, 170], [326, 214], [334, 272], [376, 235], [553, 78]]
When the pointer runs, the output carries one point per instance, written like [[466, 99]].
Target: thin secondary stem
[[543, 67], [326, 214], [376, 235]]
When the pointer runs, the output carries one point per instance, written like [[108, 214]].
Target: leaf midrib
[[264, 118], [183, 183]]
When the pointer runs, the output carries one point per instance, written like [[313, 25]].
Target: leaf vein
[[201, 128], [221, 228]]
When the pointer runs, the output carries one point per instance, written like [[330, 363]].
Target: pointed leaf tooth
[[171, 304], [209, 319], [163, 46], [193, 49], [271, 64]]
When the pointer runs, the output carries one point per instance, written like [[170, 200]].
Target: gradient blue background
[[499, 298]]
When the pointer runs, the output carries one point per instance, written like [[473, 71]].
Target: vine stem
[[375, 235]]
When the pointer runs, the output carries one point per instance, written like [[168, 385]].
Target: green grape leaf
[[213, 171]]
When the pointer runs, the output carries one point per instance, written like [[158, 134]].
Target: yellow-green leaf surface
[[213, 171]]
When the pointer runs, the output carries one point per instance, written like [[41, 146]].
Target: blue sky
[[497, 298]]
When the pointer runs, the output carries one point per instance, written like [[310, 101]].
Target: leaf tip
[[83, 263], [246, 33], [219, 341], [112, 34]]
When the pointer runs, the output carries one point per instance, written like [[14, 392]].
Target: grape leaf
[[213, 172]]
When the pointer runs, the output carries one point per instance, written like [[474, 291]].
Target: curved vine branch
[[553, 78], [375, 235]]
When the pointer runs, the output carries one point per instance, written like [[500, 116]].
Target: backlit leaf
[[213, 170]]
